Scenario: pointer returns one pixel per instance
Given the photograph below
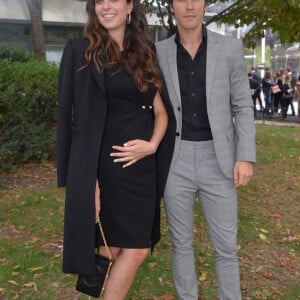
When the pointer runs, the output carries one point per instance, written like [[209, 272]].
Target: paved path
[[276, 119]]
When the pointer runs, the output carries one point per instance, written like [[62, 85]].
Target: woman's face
[[112, 15]]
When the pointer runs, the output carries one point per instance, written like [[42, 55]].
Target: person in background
[[255, 88], [215, 144], [257, 77], [287, 97], [293, 80], [267, 90], [115, 139], [293, 85], [298, 96], [278, 96]]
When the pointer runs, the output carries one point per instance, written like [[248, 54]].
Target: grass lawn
[[31, 220]]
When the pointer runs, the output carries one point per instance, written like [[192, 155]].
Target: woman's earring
[[128, 19]]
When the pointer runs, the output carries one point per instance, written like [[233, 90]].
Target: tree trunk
[[35, 10]]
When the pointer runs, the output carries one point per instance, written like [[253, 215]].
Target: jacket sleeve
[[64, 116], [242, 107]]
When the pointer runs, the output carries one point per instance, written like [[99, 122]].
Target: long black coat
[[81, 119]]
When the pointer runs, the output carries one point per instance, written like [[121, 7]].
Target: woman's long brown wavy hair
[[140, 59]]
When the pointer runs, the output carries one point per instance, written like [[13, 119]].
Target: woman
[[287, 97], [298, 96], [115, 136], [278, 96], [267, 89]]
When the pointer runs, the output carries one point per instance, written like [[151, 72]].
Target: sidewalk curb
[[274, 123]]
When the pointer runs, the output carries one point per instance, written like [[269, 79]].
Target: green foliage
[[28, 99], [14, 53], [25, 142], [282, 16]]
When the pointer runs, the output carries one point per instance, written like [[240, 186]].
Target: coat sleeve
[[242, 107], [163, 161], [64, 116]]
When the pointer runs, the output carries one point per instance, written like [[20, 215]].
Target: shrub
[[15, 53], [28, 100]]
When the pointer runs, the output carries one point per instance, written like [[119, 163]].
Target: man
[[215, 144], [256, 77], [255, 89]]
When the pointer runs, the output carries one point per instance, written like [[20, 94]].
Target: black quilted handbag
[[93, 285]]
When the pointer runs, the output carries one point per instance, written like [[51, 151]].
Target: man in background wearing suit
[[215, 145]]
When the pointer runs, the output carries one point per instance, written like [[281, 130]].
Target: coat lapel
[[172, 63], [213, 49]]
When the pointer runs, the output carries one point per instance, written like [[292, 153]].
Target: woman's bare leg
[[123, 272]]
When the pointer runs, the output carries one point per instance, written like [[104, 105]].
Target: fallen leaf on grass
[[55, 284], [264, 230], [5, 261], [276, 215], [31, 284], [290, 239], [12, 282], [196, 230], [2, 291], [151, 265], [203, 276], [160, 280], [268, 275], [167, 297], [262, 237], [33, 269], [282, 261], [39, 275]]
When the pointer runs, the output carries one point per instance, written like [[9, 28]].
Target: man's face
[[188, 13]]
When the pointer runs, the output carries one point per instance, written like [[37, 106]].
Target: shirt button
[[192, 73], [195, 115], [177, 134], [193, 94]]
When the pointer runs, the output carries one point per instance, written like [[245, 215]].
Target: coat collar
[[172, 63], [213, 48]]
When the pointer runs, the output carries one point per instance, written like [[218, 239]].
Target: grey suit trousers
[[196, 171]]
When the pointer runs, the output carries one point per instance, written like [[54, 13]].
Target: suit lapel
[[172, 63], [213, 49]]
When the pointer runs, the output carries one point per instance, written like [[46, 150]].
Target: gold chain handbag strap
[[104, 239]]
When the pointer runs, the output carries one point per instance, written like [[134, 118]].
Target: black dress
[[128, 195]]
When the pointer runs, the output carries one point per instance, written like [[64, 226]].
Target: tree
[[35, 9], [282, 16]]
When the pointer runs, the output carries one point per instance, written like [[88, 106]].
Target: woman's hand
[[97, 201], [132, 151]]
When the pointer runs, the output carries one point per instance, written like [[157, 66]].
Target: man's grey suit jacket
[[229, 102]]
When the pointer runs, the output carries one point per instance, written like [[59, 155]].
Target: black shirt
[[192, 80]]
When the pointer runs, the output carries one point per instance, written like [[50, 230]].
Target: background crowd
[[275, 94]]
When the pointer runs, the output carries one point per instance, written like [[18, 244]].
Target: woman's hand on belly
[[132, 151]]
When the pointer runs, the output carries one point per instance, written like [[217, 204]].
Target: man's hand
[[243, 171]]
